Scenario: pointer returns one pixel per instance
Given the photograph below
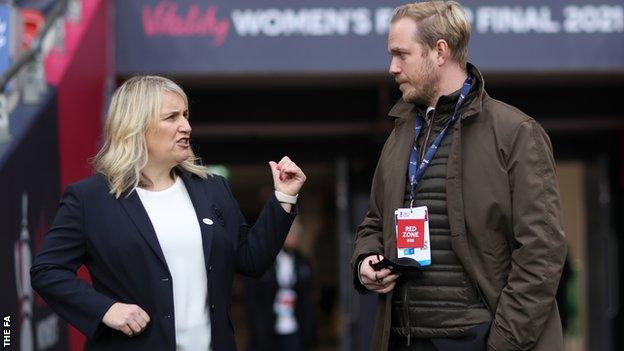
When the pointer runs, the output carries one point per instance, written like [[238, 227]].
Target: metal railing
[[27, 74]]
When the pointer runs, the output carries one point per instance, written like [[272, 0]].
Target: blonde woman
[[161, 237]]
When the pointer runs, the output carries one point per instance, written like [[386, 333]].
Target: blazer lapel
[[202, 200], [133, 206]]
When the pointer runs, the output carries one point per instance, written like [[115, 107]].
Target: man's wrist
[[359, 269]]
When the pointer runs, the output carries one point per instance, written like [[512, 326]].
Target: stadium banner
[[29, 184], [198, 37]]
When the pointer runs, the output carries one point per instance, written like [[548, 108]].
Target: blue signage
[[5, 37], [193, 37]]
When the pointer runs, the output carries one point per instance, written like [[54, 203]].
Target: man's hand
[[382, 281], [129, 319]]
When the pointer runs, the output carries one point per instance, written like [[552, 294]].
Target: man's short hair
[[439, 20]]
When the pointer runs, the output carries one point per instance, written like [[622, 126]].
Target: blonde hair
[[439, 20], [135, 105]]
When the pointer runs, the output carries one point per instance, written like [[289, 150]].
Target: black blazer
[[115, 240]]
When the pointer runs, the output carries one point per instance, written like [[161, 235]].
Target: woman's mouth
[[183, 142]]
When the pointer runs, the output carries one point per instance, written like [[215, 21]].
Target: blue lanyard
[[416, 171]]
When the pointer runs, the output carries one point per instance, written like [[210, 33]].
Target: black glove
[[400, 265]]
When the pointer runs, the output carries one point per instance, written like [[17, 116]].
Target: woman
[[161, 237]]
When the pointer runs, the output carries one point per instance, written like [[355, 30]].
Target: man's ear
[[443, 52]]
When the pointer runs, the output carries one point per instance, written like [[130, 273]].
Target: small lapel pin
[[207, 221]]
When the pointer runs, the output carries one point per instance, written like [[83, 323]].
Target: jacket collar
[[402, 110], [204, 209], [201, 203], [131, 202]]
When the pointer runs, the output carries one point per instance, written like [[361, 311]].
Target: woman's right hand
[[288, 178], [128, 319]]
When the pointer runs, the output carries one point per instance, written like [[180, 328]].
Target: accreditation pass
[[412, 231]]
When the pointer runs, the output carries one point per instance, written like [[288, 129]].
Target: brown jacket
[[504, 213]]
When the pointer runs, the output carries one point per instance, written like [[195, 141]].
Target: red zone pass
[[410, 233]]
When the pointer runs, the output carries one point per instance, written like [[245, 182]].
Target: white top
[[286, 297], [285, 269], [173, 216]]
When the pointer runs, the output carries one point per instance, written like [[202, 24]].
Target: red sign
[[410, 233], [165, 19]]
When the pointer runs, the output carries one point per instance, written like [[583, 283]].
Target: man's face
[[412, 64]]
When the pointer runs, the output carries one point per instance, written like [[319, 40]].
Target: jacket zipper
[[406, 316], [424, 145], [421, 156]]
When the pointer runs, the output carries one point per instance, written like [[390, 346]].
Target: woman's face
[[168, 138]]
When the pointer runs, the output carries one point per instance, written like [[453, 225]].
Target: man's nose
[[394, 68]]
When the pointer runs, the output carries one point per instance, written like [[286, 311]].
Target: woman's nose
[[185, 126]]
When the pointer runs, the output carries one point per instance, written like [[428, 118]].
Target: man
[[279, 304], [489, 233]]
